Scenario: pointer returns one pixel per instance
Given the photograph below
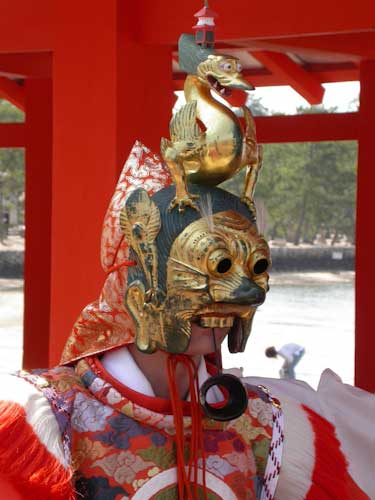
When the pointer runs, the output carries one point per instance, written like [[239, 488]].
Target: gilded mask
[[208, 266]]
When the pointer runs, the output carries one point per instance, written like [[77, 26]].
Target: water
[[315, 310], [11, 318]]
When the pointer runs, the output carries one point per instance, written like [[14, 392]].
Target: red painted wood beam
[[334, 72], [240, 20], [261, 77], [365, 236], [12, 135], [38, 201], [306, 128], [31, 26], [358, 45], [26, 65], [12, 92], [300, 80]]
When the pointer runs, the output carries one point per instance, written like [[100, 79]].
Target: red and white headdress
[[106, 323]]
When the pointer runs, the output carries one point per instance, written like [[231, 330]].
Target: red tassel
[[331, 479], [196, 442], [26, 463]]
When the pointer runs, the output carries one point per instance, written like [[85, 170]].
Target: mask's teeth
[[216, 321]]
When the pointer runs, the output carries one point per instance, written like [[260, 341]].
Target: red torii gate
[[93, 76]]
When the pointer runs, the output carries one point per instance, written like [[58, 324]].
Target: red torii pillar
[[365, 239], [107, 91], [38, 199]]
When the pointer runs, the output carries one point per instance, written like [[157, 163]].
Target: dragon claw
[[182, 203]]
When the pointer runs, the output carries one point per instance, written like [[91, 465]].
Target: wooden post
[[365, 242], [108, 91], [37, 273]]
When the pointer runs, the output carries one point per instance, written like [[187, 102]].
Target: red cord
[[122, 264], [185, 481]]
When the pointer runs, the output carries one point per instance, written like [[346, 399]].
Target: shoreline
[[277, 278], [311, 278]]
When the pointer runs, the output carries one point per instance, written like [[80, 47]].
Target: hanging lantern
[[205, 27]]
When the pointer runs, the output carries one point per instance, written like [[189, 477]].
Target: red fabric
[[118, 447], [26, 466], [106, 323], [355, 493], [8, 491], [331, 479]]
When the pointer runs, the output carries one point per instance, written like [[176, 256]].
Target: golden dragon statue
[[208, 144]]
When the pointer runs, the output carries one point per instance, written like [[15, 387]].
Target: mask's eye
[[223, 266], [219, 261], [260, 266], [226, 66], [239, 67]]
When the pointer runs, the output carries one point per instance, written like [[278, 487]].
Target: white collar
[[121, 365]]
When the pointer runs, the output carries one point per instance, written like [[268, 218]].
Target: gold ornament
[[216, 276], [207, 142], [140, 221]]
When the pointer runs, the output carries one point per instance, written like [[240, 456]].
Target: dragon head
[[218, 71], [222, 73]]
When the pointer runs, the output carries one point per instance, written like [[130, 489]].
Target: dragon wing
[[184, 126]]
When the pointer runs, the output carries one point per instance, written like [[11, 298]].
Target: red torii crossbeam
[[300, 80]]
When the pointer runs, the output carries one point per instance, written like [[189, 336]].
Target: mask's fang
[[216, 321]]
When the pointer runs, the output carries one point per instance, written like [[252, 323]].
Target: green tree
[[307, 188], [256, 106], [12, 178], [9, 113]]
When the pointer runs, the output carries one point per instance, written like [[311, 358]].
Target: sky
[[284, 99]]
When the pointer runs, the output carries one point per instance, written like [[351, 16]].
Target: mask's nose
[[247, 293], [240, 83]]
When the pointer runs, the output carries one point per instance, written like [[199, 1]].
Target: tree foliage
[[12, 172], [9, 113], [308, 189]]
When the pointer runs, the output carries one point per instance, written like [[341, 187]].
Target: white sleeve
[[295, 390], [352, 411]]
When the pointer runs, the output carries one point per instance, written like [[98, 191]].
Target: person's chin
[[202, 341], [199, 350]]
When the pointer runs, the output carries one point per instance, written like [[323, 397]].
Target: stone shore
[[284, 259]]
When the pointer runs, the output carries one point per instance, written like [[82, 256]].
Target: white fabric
[[168, 477], [121, 365], [38, 413], [296, 390], [298, 457], [352, 411], [349, 409]]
